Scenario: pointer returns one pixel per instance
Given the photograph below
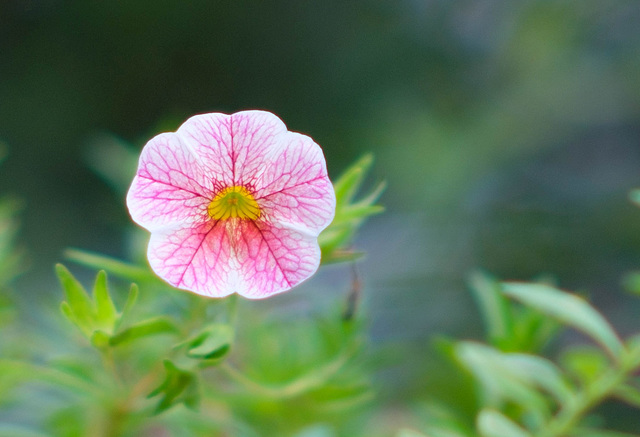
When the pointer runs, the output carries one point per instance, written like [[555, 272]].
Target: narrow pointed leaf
[[568, 309], [374, 195], [132, 297], [105, 309], [492, 423], [349, 182], [75, 293], [66, 310], [79, 307], [358, 212]]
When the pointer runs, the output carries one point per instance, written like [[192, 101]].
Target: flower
[[234, 204]]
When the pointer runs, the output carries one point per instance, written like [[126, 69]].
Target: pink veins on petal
[[234, 204]]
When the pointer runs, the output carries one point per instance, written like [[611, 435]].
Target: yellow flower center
[[234, 202]]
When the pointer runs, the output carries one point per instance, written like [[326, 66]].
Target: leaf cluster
[[131, 372], [350, 213], [518, 392]]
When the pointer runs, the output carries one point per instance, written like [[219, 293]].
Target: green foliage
[[136, 366], [350, 214], [90, 315], [567, 309], [508, 327], [141, 357], [522, 394], [179, 386], [212, 344]]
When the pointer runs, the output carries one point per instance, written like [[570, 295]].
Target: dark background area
[[508, 132]]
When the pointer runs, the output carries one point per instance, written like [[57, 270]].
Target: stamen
[[233, 202]]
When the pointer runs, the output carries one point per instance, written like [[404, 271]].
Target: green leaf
[[153, 326], [106, 314], [372, 197], [540, 372], [132, 298], [533, 329], [492, 423], [568, 309], [79, 307], [350, 181], [357, 211], [502, 380], [66, 310], [178, 386], [334, 237], [212, 344], [494, 307], [349, 215]]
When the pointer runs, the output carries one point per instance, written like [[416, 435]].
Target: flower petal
[[198, 259], [273, 259], [234, 148], [253, 259], [294, 189], [169, 187]]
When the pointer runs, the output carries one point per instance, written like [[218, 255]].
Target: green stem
[[572, 413], [110, 365]]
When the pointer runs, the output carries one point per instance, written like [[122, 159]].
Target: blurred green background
[[508, 133]]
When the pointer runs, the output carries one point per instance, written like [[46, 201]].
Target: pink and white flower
[[234, 204]]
